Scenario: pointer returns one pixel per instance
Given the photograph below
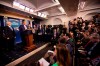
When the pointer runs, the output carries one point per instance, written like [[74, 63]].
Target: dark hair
[[63, 56], [67, 34], [62, 40], [23, 21]]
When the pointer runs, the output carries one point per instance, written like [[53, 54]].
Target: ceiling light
[[27, 9], [31, 10], [55, 1], [81, 5], [21, 6], [45, 12], [39, 14], [45, 16], [16, 4], [61, 9], [42, 15]]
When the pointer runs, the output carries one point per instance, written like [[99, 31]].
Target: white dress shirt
[[25, 27]]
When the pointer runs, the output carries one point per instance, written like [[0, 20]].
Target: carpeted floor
[[9, 56]]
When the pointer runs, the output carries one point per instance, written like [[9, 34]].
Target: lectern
[[29, 41]]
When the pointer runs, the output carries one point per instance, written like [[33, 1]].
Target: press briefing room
[[49, 32]]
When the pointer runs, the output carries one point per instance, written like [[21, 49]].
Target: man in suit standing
[[9, 35], [55, 37], [22, 29]]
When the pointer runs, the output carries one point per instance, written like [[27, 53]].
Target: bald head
[[8, 23]]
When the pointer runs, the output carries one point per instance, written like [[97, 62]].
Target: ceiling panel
[[54, 10], [39, 3], [27, 3], [70, 6], [44, 2], [34, 2]]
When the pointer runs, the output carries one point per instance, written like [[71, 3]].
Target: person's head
[[71, 26], [83, 24], [71, 34], [34, 26], [90, 24], [55, 30], [87, 32], [8, 23], [62, 40], [62, 54], [95, 37], [67, 36], [24, 22], [29, 24]]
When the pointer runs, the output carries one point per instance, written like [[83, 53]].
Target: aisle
[[31, 61]]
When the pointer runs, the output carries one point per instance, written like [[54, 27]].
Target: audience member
[[63, 55]]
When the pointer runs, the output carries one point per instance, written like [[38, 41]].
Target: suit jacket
[[9, 33], [57, 36], [96, 51], [22, 29]]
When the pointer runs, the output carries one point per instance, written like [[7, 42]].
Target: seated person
[[62, 55], [90, 47], [48, 59]]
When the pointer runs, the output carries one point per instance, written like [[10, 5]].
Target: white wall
[[84, 14], [51, 21], [88, 17], [64, 18]]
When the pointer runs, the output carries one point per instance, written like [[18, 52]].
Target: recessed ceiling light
[[45, 16], [81, 5], [42, 15], [39, 14], [22, 6], [27, 9], [61, 9], [31, 10], [55, 1], [16, 4]]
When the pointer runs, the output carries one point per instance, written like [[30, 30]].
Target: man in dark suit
[[22, 29], [9, 35], [55, 37]]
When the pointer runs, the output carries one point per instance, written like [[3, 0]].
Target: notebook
[[44, 62]]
